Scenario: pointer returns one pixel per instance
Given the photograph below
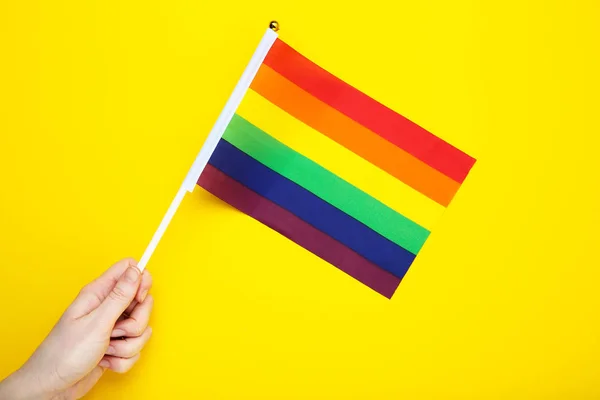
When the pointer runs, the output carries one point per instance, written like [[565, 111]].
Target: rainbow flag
[[306, 154], [309, 155]]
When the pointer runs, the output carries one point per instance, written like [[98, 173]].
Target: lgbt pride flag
[[307, 154]]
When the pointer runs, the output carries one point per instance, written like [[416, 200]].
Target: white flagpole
[[212, 140]]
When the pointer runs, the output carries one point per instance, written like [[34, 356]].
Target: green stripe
[[326, 185]]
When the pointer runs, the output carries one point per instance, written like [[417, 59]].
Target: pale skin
[[105, 327]]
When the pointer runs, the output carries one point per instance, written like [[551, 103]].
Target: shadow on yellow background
[[104, 105]]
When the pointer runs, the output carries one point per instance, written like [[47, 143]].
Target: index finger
[[94, 293]]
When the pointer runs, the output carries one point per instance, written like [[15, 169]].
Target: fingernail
[[110, 351], [117, 333], [132, 274], [143, 296], [104, 363]]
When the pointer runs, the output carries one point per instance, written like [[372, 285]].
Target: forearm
[[22, 385]]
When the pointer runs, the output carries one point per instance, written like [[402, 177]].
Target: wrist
[[23, 385]]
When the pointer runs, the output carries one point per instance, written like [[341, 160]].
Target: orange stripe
[[355, 137]]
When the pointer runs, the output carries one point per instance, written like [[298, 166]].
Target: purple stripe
[[300, 232]]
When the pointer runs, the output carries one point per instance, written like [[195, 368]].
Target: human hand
[[105, 327]]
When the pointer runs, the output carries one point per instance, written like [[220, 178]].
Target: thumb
[[121, 295]]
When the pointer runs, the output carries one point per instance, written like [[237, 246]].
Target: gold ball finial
[[274, 25]]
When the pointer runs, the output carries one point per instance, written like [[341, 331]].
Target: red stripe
[[292, 227], [373, 115]]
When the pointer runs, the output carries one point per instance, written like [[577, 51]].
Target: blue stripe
[[312, 209]]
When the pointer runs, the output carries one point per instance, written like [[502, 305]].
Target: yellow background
[[104, 105]]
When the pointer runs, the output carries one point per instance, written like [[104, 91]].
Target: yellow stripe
[[339, 160]]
